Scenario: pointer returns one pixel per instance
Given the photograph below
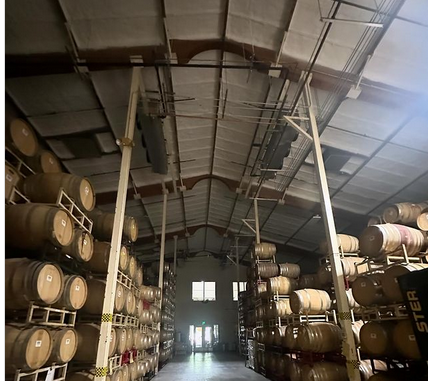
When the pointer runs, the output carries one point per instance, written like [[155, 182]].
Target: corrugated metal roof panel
[[93, 166]]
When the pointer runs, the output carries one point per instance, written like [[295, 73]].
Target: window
[[202, 291], [242, 287]]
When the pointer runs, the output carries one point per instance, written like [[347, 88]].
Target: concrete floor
[[207, 367]]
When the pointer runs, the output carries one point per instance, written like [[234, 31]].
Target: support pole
[[256, 218], [349, 349], [101, 365], [175, 253], [162, 260], [237, 279]]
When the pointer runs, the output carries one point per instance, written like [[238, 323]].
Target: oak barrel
[[84, 375], [377, 241], [319, 337], [356, 328], [129, 308], [44, 162], [264, 250], [132, 267], [281, 285], [39, 224], [350, 268], [290, 270], [26, 348], [136, 338], [310, 301], [403, 213], [309, 281], [281, 308], [120, 344], [367, 290], [74, 294], [117, 375], [295, 371], [390, 285], [348, 243], [28, 280], [267, 270], [132, 371], [290, 337], [45, 187], [81, 247], [125, 372], [139, 276], [278, 335], [12, 179], [103, 226], [64, 345], [22, 138], [325, 371], [405, 340], [377, 338], [422, 221], [129, 339], [98, 263], [366, 370], [87, 342]]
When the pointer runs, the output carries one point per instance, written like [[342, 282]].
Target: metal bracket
[[125, 142]]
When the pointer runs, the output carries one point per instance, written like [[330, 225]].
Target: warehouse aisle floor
[[207, 367]]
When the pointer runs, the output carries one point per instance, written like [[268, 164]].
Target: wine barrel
[[12, 179], [103, 226], [366, 370], [39, 224], [262, 290], [123, 259], [348, 243], [132, 371], [64, 345], [386, 376], [422, 221], [125, 372], [44, 162], [390, 284], [281, 285], [267, 270], [281, 308], [28, 280], [320, 337], [81, 247], [269, 335], [309, 281], [95, 298], [310, 301], [120, 345], [375, 220], [356, 328], [87, 342], [129, 339], [75, 293], [26, 348], [290, 337], [84, 375], [379, 240], [139, 276], [377, 338], [350, 268], [22, 138], [117, 375], [129, 308], [324, 274], [403, 213], [325, 371], [367, 290], [295, 371], [132, 267], [353, 305], [136, 338], [120, 298], [289, 270], [405, 340], [147, 293], [283, 365], [264, 250], [278, 335], [98, 263], [45, 187], [156, 292]]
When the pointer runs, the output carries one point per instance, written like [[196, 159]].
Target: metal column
[[126, 144], [256, 218], [162, 260], [175, 253], [349, 349]]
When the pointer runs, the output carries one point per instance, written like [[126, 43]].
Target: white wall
[[224, 311]]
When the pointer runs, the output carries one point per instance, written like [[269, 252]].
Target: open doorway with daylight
[[203, 338]]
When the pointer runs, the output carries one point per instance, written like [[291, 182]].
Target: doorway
[[202, 338]]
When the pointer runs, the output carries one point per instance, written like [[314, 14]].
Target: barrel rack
[[52, 373]]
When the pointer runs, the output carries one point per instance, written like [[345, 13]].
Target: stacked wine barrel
[[35, 282]]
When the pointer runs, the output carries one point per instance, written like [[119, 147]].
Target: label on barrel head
[[77, 288], [67, 341], [363, 284], [86, 190], [412, 337], [373, 336], [9, 177], [84, 242], [396, 280], [38, 343], [49, 278], [24, 132], [63, 222], [51, 161], [119, 293]]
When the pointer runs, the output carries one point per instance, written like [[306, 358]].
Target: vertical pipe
[[162, 260], [101, 365], [256, 218], [349, 349], [175, 253]]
